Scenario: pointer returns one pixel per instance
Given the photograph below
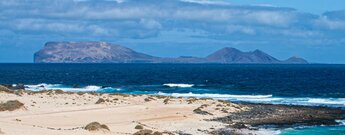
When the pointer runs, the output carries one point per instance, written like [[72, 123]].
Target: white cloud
[[324, 21], [146, 18], [215, 2]]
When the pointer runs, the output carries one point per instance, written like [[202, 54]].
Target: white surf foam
[[84, 89], [269, 99], [341, 122], [217, 96], [178, 85], [44, 86]]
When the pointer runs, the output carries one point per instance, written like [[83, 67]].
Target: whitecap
[[341, 122], [181, 85], [44, 86], [268, 99], [216, 96]]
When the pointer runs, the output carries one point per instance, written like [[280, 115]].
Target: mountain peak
[[296, 60], [233, 55], [103, 52], [229, 49]]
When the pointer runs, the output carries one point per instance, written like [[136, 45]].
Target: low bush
[[96, 126], [11, 105]]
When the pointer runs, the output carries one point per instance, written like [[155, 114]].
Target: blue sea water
[[311, 85]]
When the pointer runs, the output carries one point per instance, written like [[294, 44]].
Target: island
[[103, 52]]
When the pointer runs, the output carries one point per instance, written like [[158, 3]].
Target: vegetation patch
[[59, 92], [166, 101], [120, 94], [202, 112], [11, 105], [144, 132], [96, 126], [100, 101], [5, 89], [160, 96], [157, 133], [139, 127], [191, 100], [81, 93]]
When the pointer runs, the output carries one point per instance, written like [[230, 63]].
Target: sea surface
[[309, 85]]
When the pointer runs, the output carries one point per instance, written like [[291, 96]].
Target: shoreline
[[59, 112]]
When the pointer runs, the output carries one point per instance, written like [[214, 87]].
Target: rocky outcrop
[[102, 52]]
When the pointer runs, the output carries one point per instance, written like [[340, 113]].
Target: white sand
[[67, 114]]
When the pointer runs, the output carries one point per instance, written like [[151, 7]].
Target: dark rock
[[283, 115], [239, 125]]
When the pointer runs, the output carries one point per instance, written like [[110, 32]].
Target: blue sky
[[313, 29]]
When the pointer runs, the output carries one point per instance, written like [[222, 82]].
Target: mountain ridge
[[103, 52]]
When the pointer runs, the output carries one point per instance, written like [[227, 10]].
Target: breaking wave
[[90, 88], [267, 99], [178, 85]]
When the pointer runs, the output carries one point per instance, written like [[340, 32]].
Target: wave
[[178, 85], [341, 122], [42, 86], [90, 88], [268, 99], [217, 96]]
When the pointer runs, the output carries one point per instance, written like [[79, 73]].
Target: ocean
[[308, 85]]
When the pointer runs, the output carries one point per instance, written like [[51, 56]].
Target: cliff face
[[88, 52], [102, 52]]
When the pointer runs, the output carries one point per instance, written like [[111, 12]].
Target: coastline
[[59, 112]]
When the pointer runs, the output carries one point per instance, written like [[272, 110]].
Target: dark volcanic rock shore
[[282, 115]]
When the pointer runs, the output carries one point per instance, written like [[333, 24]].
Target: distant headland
[[103, 52]]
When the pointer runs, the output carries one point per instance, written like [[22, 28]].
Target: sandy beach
[[54, 112]]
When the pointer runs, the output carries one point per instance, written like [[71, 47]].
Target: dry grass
[[120, 94], [166, 101], [144, 132], [11, 105], [5, 89], [160, 96], [139, 127], [81, 93], [199, 111], [191, 100], [96, 126], [59, 92], [100, 101], [157, 133]]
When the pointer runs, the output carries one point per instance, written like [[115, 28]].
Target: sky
[[312, 29]]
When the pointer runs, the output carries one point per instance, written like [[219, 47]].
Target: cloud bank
[[197, 20]]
